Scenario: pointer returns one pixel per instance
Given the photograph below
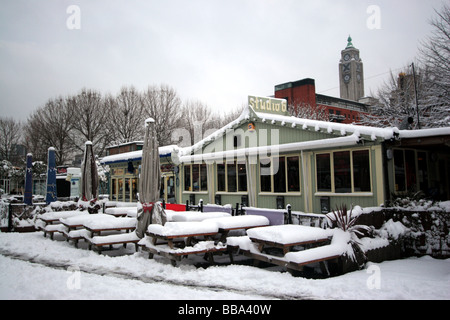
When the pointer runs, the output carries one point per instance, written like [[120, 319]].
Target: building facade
[[268, 159]]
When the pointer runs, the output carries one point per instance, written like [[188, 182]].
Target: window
[[187, 178], [343, 171], [280, 174], [409, 175], [279, 178], [231, 177], [195, 178], [323, 172], [265, 177], [293, 173], [361, 171], [342, 174], [242, 177], [221, 178]]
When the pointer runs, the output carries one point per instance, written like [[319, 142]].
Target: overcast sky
[[215, 51]]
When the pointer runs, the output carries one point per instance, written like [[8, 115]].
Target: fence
[[14, 217]]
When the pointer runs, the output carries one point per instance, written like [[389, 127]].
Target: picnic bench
[[177, 239], [286, 237], [227, 224], [180, 239], [75, 229], [110, 240], [122, 211], [97, 226], [50, 218], [296, 246]]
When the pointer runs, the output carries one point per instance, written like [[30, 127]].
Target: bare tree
[[198, 119], [163, 104], [306, 111], [89, 119], [435, 56], [397, 98], [10, 136], [125, 116], [51, 126]]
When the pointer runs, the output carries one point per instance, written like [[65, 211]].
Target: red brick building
[[303, 93]]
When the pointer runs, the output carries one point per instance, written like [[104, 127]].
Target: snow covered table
[[110, 240], [227, 224], [73, 223], [51, 217], [97, 226], [193, 238], [122, 211], [115, 224], [287, 236], [197, 216]]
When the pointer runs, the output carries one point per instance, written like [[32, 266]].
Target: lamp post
[[415, 90]]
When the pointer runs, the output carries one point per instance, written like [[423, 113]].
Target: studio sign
[[270, 105]]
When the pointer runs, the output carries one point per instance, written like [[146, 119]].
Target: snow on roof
[[330, 127], [350, 134], [347, 134], [137, 155], [266, 150], [403, 134]]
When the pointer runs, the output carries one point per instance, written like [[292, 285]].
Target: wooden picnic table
[[259, 241], [175, 240]]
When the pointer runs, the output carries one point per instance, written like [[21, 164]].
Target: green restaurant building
[[268, 159]]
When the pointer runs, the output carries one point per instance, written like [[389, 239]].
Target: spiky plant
[[342, 218]]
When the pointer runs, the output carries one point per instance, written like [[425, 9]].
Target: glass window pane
[[410, 163], [196, 177], [187, 178], [242, 177], [113, 189], [279, 179], [231, 174], [423, 170], [265, 177], [342, 175], [120, 195], [361, 171], [399, 167], [203, 178], [323, 172], [293, 171], [221, 177]]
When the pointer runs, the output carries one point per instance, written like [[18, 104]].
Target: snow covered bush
[[342, 218]]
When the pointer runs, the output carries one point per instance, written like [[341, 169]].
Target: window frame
[[227, 163], [286, 175], [416, 184], [352, 173], [191, 178]]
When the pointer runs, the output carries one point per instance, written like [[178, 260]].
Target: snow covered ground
[[34, 267]]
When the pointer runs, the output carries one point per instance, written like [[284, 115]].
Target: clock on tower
[[351, 76]]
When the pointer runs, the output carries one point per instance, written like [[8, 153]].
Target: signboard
[[268, 105]]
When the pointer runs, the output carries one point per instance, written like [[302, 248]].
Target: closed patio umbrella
[[28, 197], [150, 212], [89, 175], [51, 195]]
